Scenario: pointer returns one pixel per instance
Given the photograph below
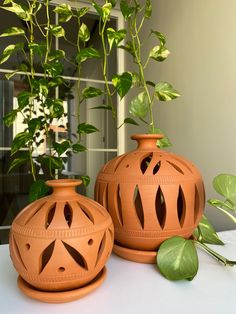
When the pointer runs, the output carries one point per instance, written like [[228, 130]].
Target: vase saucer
[[61, 296], [147, 257]]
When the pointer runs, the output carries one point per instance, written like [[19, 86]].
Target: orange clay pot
[[151, 196], [61, 242]]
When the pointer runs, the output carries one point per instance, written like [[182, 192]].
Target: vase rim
[[147, 136], [63, 182]]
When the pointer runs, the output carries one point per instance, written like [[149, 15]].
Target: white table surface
[[132, 288]]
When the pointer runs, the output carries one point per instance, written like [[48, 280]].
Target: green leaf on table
[[126, 10], [19, 9], [206, 233], [57, 30], [90, 92], [10, 117], [37, 190], [84, 33], [86, 128], [61, 147], [87, 53], [122, 83], [130, 121], [78, 148], [13, 31], [139, 105], [64, 11], [165, 92], [159, 36], [19, 141], [177, 259], [225, 185], [148, 9], [85, 180], [115, 37], [23, 157], [159, 53], [8, 51], [82, 11]]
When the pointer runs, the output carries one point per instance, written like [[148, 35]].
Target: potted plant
[[156, 199], [63, 223]]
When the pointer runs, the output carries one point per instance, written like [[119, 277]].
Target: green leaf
[[130, 121], [85, 180], [139, 105], [78, 148], [37, 190], [177, 259], [90, 92], [206, 233], [34, 125], [122, 83], [222, 204], [64, 12], [13, 31], [103, 11], [105, 107], [135, 79], [165, 92], [57, 30], [56, 55], [129, 48], [84, 33], [159, 53], [22, 158], [85, 128], [19, 10], [24, 99], [159, 36], [7, 2], [56, 108], [126, 10], [164, 142], [225, 185], [38, 48], [54, 68], [10, 75], [115, 37], [148, 9], [81, 12], [62, 147], [19, 141], [8, 51], [87, 53], [57, 81], [10, 117]]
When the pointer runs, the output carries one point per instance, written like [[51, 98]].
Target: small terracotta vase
[[151, 196], [59, 244]]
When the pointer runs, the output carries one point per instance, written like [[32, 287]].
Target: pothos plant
[[39, 104], [177, 257]]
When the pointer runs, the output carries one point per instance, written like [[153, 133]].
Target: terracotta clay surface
[[151, 195], [62, 241]]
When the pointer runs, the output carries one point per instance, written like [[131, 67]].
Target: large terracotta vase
[[59, 244], [151, 196]]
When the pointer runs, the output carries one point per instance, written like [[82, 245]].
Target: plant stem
[[226, 213], [216, 255]]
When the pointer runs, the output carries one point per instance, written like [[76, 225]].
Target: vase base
[[138, 256], [61, 296]]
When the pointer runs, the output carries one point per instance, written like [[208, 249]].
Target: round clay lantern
[[151, 196], [59, 244]]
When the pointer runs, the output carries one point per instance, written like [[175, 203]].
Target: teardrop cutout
[[157, 167], [101, 248], [145, 162], [68, 213], [181, 206], [160, 207], [175, 166], [46, 255], [138, 206], [196, 204], [118, 206], [50, 215], [79, 259]]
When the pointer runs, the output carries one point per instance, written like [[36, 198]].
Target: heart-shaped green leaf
[[87, 53], [206, 233], [148, 9], [126, 10], [64, 12], [139, 105], [122, 83], [225, 185], [37, 190], [13, 31], [90, 92], [177, 259], [159, 53], [165, 92], [86, 128], [84, 33], [115, 37]]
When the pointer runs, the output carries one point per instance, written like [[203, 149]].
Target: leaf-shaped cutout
[[101, 247], [160, 207], [68, 213], [50, 215], [138, 206], [181, 206], [156, 168], [176, 167], [87, 212], [17, 252], [105, 198], [46, 255], [34, 212], [118, 206], [196, 204], [118, 161], [78, 258], [145, 162]]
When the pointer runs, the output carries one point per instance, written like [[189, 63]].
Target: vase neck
[[147, 141], [64, 187]]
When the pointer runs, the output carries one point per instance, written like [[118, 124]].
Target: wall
[[201, 36]]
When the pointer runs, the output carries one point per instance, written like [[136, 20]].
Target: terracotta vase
[[151, 196], [59, 244]]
